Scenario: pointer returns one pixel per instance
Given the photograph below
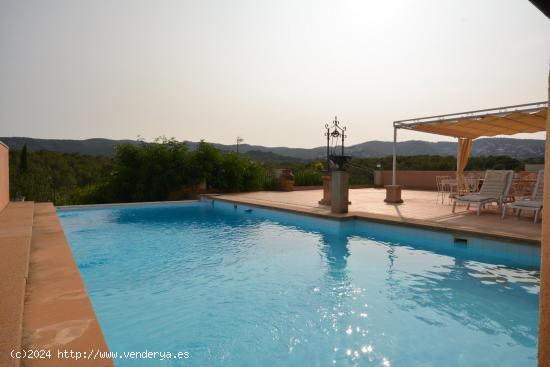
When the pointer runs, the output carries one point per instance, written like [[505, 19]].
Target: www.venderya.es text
[[96, 354]]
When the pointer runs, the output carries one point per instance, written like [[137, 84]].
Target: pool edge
[[56, 298], [364, 216], [124, 205]]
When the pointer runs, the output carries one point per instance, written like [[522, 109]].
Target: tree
[[148, 171], [23, 164], [153, 171], [206, 164]]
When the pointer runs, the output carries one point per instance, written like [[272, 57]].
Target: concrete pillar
[[394, 160], [544, 321], [339, 192], [378, 178], [393, 194], [327, 178]]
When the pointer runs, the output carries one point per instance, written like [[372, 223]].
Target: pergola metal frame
[[410, 124]]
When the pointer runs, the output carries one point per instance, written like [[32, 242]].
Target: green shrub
[[270, 184], [308, 177]]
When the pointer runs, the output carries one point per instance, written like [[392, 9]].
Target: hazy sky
[[273, 72]]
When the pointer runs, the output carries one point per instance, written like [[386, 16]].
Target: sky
[[273, 72]]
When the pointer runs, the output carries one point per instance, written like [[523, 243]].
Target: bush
[[308, 177], [151, 171], [90, 194], [236, 173], [270, 184], [148, 171], [52, 176]]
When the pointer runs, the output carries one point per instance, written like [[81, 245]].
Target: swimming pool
[[244, 286]]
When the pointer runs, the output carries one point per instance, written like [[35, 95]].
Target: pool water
[[252, 287]]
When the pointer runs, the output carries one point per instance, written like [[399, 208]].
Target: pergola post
[[458, 164], [393, 191], [394, 163]]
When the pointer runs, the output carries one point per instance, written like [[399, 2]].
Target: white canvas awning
[[466, 126], [529, 118]]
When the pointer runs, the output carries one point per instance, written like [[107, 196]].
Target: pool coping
[[380, 218], [45, 305]]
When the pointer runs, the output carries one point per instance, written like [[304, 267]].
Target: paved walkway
[[419, 207]]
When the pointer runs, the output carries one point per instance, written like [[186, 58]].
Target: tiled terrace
[[419, 207]]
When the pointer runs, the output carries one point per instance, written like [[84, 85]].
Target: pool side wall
[[488, 233], [475, 246]]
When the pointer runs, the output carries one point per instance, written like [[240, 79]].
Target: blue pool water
[[265, 288]]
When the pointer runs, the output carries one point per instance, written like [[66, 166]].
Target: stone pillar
[[327, 177], [544, 321], [339, 193], [393, 194]]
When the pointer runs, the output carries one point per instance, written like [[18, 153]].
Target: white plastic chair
[[534, 202], [495, 189]]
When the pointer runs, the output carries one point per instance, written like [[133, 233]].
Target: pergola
[[467, 126]]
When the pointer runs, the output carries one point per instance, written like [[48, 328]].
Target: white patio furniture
[[441, 183], [534, 202], [495, 188], [471, 184], [449, 188]]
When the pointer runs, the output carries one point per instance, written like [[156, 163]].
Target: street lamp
[[239, 140]]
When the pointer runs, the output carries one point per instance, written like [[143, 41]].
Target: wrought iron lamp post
[[335, 178], [336, 136]]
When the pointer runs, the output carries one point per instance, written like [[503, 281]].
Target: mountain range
[[517, 148]]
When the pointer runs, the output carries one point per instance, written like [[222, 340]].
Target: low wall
[[422, 180], [4, 175], [320, 187]]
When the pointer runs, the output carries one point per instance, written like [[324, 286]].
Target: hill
[[97, 146], [516, 148]]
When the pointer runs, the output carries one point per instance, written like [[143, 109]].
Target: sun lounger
[[495, 188], [534, 202]]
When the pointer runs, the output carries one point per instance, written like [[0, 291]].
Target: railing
[[308, 177], [269, 181]]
